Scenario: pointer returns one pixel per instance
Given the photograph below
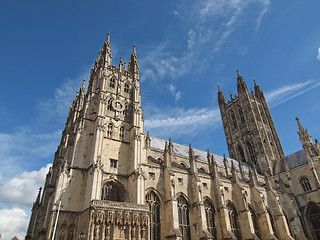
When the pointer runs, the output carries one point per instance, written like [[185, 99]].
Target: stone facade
[[110, 180]]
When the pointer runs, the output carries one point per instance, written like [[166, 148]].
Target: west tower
[[250, 133]]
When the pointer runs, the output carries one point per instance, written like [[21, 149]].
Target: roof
[[183, 150], [291, 161]]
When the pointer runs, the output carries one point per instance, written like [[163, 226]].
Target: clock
[[118, 105]]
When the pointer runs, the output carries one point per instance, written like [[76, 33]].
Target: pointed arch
[[252, 153], [112, 82], [305, 184], [126, 87], [233, 119], [202, 170], [210, 212], [313, 219], [183, 214], [241, 154], [113, 191], [110, 130], [109, 104], [121, 133], [240, 111], [234, 220], [153, 202]]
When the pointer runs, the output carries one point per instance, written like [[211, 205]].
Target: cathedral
[[111, 180]]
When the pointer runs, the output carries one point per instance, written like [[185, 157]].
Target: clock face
[[118, 105]]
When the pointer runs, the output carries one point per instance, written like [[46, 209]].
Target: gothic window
[[183, 213], [112, 192], [233, 119], [113, 163], [210, 218], [254, 219], [202, 170], [121, 133], [125, 111], [153, 202], [109, 106], [112, 83], [305, 184], [252, 154], [273, 225], [109, 130], [241, 114], [313, 217], [233, 218], [126, 87], [241, 154]]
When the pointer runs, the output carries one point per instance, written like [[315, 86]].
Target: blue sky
[[185, 48]]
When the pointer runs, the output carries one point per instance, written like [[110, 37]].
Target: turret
[[133, 65], [221, 97], [106, 51], [241, 85]]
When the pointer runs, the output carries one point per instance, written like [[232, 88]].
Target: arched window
[[241, 114], [126, 87], [305, 184], [121, 133], [109, 106], [241, 154], [153, 202], [109, 130], [125, 111], [183, 212], [254, 219], [234, 223], [202, 170], [252, 154], [112, 192], [233, 119], [313, 217], [210, 218], [112, 83], [273, 225]]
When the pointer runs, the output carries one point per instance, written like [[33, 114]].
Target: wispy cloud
[[178, 122], [13, 222], [161, 60], [318, 56], [287, 92], [174, 92]]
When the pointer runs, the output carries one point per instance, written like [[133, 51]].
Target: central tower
[[250, 133]]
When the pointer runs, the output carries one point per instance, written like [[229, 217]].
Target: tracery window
[[241, 114], [314, 219], [252, 153], [112, 192], [109, 130], [112, 83], [241, 154], [233, 119], [233, 218], [121, 133], [109, 106], [125, 111], [126, 87], [305, 184], [184, 223], [153, 202], [209, 209], [255, 221]]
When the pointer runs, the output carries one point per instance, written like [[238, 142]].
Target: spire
[[148, 139], [170, 146], [39, 196], [106, 51], [234, 172], [242, 86], [306, 140], [133, 65], [231, 96], [221, 97]]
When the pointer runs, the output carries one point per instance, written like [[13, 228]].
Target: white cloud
[[287, 92], [174, 92], [13, 222], [160, 60], [318, 57], [23, 188], [178, 122]]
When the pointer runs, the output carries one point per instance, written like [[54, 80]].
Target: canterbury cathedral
[[111, 180]]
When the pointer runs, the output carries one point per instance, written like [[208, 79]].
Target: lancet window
[[241, 154], [121, 133], [153, 202], [241, 114], [109, 130], [126, 87], [112, 192], [109, 106], [305, 184], [233, 119], [252, 153], [233, 218], [184, 222], [209, 209]]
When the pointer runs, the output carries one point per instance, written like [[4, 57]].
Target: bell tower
[[250, 133]]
